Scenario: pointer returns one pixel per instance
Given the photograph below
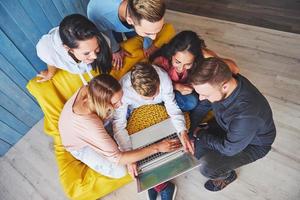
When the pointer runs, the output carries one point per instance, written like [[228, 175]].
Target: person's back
[[249, 104]]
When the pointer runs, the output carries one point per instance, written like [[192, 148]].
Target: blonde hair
[[150, 10], [100, 91], [144, 79]]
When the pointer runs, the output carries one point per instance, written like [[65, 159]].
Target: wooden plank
[[4, 147], [50, 11], [12, 73], [13, 122], [40, 165], [70, 6], [61, 8], [84, 5], [274, 14], [11, 178], [35, 12], [8, 134], [8, 87], [28, 118], [13, 55], [18, 27]]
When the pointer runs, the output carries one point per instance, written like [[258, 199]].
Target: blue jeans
[[215, 165], [186, 102], [199, 113]]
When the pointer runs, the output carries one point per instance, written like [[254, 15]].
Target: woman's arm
[[232, 65], [129, 157], [47, 74]]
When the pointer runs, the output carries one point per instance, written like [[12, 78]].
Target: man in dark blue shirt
[[243, 129]]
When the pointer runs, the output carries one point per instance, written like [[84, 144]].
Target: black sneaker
[[218, 184]]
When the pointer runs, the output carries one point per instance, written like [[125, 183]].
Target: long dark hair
[[74, 28], [185, 40]]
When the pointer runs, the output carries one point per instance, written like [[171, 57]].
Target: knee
[[190, 102], [207, 170]]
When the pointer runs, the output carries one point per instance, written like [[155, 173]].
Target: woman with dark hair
[[178, 57], [76, 46]]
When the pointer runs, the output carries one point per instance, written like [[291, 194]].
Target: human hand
[[168, 145], [44, 75], [117, 58], [132, 170], [183, 88], [187, 144], [149, 51]]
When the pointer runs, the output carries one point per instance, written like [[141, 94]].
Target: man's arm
[[240, 134]]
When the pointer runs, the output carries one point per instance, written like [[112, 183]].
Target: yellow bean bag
[[78, 180]]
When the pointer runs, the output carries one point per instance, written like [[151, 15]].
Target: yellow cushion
[[78, 180], [148, 115]]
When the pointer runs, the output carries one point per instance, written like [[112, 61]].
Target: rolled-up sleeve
[[172, 108]]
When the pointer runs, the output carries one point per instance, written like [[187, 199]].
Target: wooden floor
[[269, 58], [283, 15]]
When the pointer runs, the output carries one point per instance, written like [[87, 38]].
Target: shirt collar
[[231, 98]]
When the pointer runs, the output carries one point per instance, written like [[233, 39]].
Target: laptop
[[160, 167]]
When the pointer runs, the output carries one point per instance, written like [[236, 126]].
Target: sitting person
[[131, 17], [76, 46], [182, 53], [147, 84], [243, 130], [82, 128]]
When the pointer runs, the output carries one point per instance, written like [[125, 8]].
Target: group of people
[[183, 74]]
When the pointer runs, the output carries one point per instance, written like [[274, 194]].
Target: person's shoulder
[[45, 46], [125, 80], [102, 6], [163, 75]]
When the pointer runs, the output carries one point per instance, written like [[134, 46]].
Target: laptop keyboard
[[156, 155]]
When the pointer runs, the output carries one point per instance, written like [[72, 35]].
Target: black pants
[[214, 165]]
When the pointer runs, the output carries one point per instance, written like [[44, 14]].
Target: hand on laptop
[[132, 170], [186, 142], [168, 145]]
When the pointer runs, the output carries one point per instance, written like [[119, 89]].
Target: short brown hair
[[100, 91], [213, 71], [150, 10], [144, 79]]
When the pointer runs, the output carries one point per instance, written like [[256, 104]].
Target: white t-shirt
[[131, 100]]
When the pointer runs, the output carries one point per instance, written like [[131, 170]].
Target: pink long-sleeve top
[[78, 131], [164, 63]]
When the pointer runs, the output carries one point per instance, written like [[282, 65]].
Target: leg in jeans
[[214, 165], [198, 113], [186, 102]]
